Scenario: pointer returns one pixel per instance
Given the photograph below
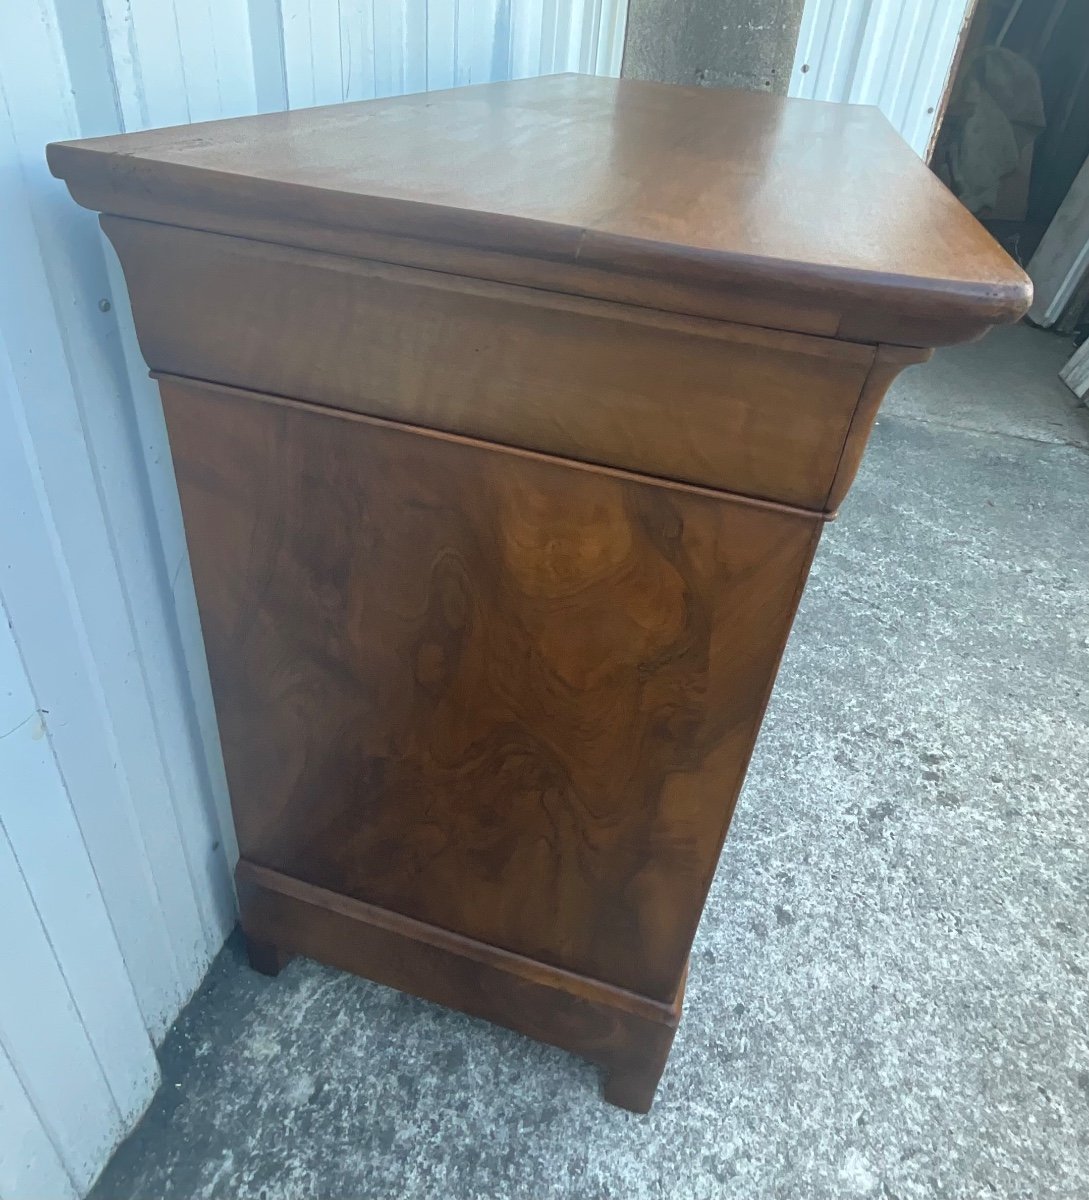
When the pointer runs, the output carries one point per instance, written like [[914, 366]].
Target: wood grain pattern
[[888, 362], [628, 1035], [751, 411], [802, 215], [498, 526], [494, 692]]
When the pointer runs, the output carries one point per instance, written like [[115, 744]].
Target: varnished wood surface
[[249, 875], [491, 691], [751, 411], [628, 1035], [486, 705], [888, 362], [817, 217], [268, 958]]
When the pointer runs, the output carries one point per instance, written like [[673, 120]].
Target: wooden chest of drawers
[[505, 423]]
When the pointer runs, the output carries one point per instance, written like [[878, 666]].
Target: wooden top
[[803, 215]]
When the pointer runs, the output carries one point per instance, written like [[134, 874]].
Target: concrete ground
[[889, 992]]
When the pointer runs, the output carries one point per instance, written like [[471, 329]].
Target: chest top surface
[[668, 186]]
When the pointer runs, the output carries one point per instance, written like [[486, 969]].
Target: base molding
[[626, 1034]]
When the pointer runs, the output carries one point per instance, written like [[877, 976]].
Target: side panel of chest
[[503, 694]]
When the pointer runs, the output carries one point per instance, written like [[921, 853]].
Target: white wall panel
[[115, 836], [63, 583], [356, 49], [38, 820], [29, 1162], [75, 1048], [896, 54]]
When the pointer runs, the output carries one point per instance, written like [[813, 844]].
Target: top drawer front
[[745, 410]]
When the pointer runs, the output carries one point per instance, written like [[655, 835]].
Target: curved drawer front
[[735, 408]]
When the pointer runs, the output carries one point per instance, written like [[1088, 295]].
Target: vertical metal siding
[[80, 1019], [115, 835], [896, 54], [359, 49]]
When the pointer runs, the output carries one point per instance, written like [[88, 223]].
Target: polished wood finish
[[267, 958], [505, 423], [888, 362], [485, 689], [752, 411], [787, 213], [627, 1035]]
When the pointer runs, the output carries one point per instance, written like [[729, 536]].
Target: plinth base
[[628, 1035]]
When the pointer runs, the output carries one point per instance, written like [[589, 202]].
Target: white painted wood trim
[[73, 1038], [1076, 372], [1062, 258], [29, 1162]]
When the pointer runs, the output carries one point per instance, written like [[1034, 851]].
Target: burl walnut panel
[[498, 693]]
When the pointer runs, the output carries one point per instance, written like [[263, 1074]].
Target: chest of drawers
[[505, 423]]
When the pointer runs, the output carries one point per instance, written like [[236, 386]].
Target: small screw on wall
[[104, 306]]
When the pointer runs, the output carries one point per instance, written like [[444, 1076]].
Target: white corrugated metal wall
[[896, 54], [115, 843]]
